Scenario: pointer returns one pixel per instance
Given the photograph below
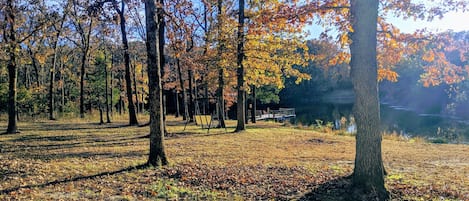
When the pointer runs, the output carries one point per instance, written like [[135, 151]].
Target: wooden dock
[[277, 115]]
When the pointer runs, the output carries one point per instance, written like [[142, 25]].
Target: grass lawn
[[80, 160]]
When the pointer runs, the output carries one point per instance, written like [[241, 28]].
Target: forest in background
[[73, 62]]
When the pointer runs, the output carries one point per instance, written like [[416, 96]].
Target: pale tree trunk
[[142, 100], [54, 66], [241, 125], [62, 88], [136, 89], [254, 105], [368, 175], [12, 69], [157, 156], [111, 83], [121, 101]]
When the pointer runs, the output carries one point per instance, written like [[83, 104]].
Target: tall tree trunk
[[191, 96], [221, 100], [52, 80], [12, 69], [185, 105], [161, 59], [62, 88], [176, 100], [128, 81], [241, 125], [82, 84], [136, 89], [106, 91], [254, 104], [157, 154], [204, 80], [101, 119], [246, 106], [112, 83], [51, 92], [368, 175], [86, 44], [54, 66], [35, 66], [26, 77], [221, 69], [142, 101], [121, 101]]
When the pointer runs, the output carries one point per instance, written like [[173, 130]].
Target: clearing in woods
[[52, 160]]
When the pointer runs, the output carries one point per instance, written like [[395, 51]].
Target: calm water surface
[[393, 119]]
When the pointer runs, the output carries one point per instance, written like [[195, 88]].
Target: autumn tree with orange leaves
[[358, 29]]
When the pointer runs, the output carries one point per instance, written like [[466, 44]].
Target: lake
[[401, 120]]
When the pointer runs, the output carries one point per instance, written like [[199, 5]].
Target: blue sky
[[456, 21]]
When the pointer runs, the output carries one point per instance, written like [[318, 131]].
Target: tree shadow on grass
[[72, 126], [56, 156], [48, 143], [35, 137], [131, 168], [341, 189], [334, 190]]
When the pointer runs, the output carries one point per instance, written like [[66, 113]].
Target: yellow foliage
[[387, 74], [429, 56]]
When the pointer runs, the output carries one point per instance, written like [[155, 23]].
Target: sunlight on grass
[[66, 160]]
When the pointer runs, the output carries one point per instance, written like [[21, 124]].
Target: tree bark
[[157, 156], [136, 90], [106, 91], [12, 69], [191, 96], [85, 49], [142, 100], [54, 66], [241, 125], [368, 175], [128, 81], [62, 88], [112, 83], [176, 100], [221, 73], [101, 119], [254, 105], [246, 106], [51, 92], [121, 102], [183, 90], [35, 66], [82, 84], [161, 60]]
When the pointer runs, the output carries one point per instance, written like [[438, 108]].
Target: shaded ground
[[87, 161]]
